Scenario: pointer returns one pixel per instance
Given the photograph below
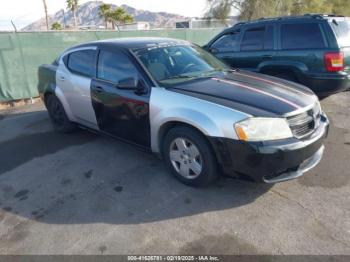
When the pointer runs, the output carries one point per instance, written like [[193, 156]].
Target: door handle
[[99, 89], [62, 78]]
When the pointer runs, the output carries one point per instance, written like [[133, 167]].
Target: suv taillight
[[334, 61]]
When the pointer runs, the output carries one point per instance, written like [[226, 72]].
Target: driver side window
[[227, 43], [115, 66]]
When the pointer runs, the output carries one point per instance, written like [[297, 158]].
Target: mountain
[[87, 15]]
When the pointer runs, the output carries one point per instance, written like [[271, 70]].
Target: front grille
[[304, 124]]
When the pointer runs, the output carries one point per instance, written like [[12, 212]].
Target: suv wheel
[[189, 156], [58, 115]]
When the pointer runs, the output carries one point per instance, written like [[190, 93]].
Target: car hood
[[251, 93]]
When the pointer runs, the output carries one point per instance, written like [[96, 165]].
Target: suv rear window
[[82, 62], [302, 36], [342, 31]]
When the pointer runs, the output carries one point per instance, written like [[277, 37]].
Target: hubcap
[[186, 158]]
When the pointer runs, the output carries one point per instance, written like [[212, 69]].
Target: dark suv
[[313, 49]]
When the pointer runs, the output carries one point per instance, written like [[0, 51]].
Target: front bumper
[[273, 161], [307, 165]]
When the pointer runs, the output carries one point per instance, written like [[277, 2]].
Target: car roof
[[288, 18], [135, 42], [274, 20]]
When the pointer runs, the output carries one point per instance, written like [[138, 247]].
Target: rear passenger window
[[227, 42], [82, 62], [115, 66], [253, 39], [301, 36]]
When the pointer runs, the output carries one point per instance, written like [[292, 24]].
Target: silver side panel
[[211, 119], [74, 92], [59, 94]]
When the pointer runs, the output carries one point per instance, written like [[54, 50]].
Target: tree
[[254, 9], [56, 26], [119, 16], [73, 6], [341, 7], [46, 16], [127, 19], [115, 17], [221, 9], [311, 6], [104, 11]]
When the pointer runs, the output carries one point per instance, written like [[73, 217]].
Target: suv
[[176, 100], [313, 50]]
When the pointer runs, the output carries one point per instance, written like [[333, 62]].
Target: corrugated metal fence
[[22, 53]]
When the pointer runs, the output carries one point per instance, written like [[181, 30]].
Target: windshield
[[341, 28], [172, 64]]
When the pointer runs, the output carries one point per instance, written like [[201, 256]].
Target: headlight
[[317, 108], [262, 129]]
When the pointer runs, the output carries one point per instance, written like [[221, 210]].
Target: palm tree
[[46, 16], [73, 6], [120, 16], [104, 11], [127, 19]]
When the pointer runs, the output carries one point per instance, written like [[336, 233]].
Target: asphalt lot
[[87, 194]]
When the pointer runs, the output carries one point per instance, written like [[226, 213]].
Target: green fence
[[22, 53]]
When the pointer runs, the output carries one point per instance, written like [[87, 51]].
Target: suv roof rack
[[323, 15], [308, 15]]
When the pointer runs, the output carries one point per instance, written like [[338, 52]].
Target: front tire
[[58, 115], [190, 157]]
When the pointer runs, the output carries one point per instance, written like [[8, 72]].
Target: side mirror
[[131, 83], [213, 50], [128, 83]]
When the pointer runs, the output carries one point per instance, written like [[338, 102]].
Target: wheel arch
[[172, 124], [56, 91], [274, 68], [190, 118], [48, 90], [166, 127]]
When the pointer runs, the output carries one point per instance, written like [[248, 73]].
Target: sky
[[23, 12]]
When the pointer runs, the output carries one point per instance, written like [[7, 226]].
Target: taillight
[[334, 61]]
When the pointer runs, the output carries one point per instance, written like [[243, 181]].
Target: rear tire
[[190, 157], [58, 115]]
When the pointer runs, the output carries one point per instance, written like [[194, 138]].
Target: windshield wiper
[[216, 70], [177, 77], [203, 74]]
